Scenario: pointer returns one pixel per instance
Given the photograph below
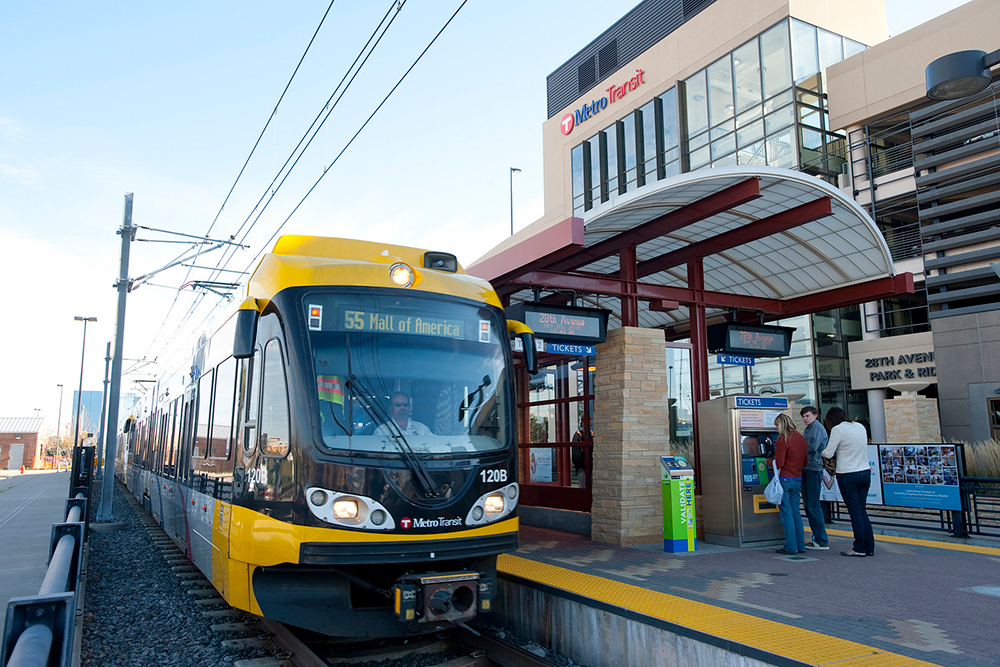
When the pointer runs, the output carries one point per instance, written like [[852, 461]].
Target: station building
[[675, 106]]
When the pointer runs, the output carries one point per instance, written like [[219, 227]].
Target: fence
[[39, 630], [974, 507]]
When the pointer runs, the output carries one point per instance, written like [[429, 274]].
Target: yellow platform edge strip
[[934, 544], [788, 641]]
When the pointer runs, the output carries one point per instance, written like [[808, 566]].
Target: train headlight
[[401, 274], [494, 503], [348, 510], [493, 506], [345, 509]]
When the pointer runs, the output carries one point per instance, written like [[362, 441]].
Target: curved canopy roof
[[767, 237]]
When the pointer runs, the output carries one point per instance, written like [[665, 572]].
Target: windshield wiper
[[370, 404], [466, 405]]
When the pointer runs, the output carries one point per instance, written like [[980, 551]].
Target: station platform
[[29, 504], [919, 600]]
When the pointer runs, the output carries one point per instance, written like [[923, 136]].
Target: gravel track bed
[[136, 610]]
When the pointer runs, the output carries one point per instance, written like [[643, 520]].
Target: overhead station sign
[[750, 339], [565, 324]]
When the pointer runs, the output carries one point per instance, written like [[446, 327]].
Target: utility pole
[[127, 233], [59, 423], [104, 412], [79, 393]]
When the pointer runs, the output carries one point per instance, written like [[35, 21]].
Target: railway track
[[200, 617], [479, 649]]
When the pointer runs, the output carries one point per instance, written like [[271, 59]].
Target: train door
[[183, 497], [246, 477], [168, 483], [269, 480], [273, 434]]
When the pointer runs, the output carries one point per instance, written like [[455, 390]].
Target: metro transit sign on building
[[615, 93]]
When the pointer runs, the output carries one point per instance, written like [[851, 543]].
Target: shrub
[[982, 459]]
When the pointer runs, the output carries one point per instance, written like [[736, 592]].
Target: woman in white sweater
[[849, 443]]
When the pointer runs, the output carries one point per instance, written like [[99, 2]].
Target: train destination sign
[[420, 325], [563, 323], [750, 339]]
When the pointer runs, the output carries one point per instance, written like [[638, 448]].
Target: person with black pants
[[849, 443]]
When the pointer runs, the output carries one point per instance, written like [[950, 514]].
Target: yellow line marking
[[806, 646], [968, 548]]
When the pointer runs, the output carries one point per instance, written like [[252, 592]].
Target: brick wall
[[631, 427], [30, 442], [912, 419]]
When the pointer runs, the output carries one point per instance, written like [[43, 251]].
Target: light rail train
[[340, 454]]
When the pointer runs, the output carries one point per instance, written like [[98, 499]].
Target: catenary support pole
[[104, 413], [111, 433]]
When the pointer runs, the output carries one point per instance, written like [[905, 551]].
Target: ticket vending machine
[[736, 436]]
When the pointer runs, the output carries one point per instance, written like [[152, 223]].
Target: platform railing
[[39, 629]]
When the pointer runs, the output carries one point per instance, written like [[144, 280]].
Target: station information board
[[562, 323], [750, 339]]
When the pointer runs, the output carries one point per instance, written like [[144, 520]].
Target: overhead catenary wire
[[363, 55], [224, 262], [247, 161], [326, 170], [271, 117], [271, 191]]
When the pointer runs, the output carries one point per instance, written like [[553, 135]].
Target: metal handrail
[[39, 629]]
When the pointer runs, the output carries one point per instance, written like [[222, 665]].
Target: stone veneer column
[[912, 418], [631, 427]]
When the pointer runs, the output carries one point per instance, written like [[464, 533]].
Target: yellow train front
[[341, 455]]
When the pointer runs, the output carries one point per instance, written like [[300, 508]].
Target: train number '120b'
[[494, 476]]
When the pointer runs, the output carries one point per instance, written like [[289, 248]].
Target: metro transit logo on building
[[615, 93]]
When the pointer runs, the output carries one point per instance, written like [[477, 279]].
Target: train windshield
[[408, 375]]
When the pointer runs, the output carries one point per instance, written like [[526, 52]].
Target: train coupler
[[441, 597]]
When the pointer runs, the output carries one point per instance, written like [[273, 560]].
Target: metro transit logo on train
[[406, 523], [615, 93]]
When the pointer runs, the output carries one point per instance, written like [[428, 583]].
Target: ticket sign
[[734, 359], [774, 403], [562, 323]]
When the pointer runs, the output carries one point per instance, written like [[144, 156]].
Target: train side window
[[188, 424], [252, 399], [274, 429], [222, 419], [203, 429], [172, 436]]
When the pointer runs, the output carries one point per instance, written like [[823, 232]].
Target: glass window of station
[[761, 104], [816, 371]]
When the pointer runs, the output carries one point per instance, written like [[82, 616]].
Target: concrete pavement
[[29, 505]]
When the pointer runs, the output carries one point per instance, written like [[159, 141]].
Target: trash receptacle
[[677, 478]]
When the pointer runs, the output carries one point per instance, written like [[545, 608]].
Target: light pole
[[59, 421], [513, 170], [79, 393]]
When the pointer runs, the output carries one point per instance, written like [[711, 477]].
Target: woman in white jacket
[[849, 443]]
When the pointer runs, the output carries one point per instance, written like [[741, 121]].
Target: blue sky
[[166, 100]]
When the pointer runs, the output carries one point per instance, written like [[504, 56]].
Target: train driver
[[399, 408]]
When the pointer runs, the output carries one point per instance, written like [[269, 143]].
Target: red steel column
[[699, 354], [628, 272]]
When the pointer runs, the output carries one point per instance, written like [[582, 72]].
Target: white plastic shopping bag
[[773, 491]]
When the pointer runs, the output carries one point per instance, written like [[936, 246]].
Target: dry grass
[[982, 459]]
